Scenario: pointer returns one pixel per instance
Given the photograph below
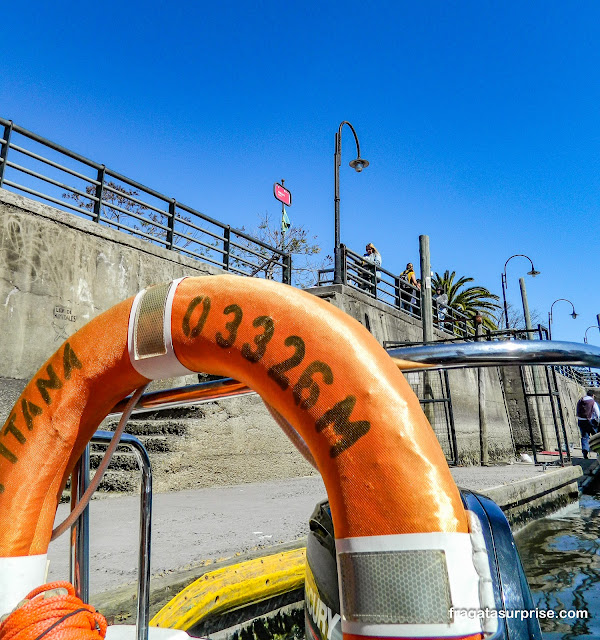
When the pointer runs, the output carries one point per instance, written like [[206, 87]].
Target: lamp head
[[359, 164], [533, 272], [574, 314]]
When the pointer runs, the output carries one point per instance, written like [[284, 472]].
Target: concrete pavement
[[196, 526]]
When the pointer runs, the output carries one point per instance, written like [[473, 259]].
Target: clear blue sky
[[480, 120]]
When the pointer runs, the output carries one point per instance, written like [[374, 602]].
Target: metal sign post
[[285, 197]]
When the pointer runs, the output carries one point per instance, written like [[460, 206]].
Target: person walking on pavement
[[588, 417]]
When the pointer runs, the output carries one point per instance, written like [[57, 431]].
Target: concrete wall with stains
[[58, 271], [540, 411]]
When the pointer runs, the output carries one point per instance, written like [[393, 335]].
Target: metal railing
[[390, 289], [80, 546], [583, 376], [453, 321], [51, 173]]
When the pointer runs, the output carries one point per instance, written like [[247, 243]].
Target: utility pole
[[526, 308], [426, 321], [426, 304]]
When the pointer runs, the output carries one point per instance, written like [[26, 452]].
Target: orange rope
[[53, 616]]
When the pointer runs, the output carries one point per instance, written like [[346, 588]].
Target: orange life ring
[[386, 476]]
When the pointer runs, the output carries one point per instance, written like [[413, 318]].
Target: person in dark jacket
[[588, 417]]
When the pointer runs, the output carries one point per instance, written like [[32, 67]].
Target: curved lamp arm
[[574, 314], [358, 164], [533, 273]]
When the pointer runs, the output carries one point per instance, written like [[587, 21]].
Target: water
[[561, 558]]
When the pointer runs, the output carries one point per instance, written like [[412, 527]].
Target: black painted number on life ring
[[232, 326], [261, 341], [277, 372]]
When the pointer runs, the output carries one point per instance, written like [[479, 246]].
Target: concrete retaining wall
[[58, 271], [540, 412]]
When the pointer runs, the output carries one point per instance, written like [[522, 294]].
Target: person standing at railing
[[441, 300], [372, 256], [588, 418], [408, 287]]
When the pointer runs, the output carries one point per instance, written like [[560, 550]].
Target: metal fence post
[[343, 265], [397, 301], [227, 247], [99, 193], [287, 268], [451, 418], [4, 150], [79, 565], [170, 232], [374, 270]]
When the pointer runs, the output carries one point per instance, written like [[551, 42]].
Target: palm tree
[[470, 301]]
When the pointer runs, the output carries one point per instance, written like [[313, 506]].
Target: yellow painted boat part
[[229, 588]]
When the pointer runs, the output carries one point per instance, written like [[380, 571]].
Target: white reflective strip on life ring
[[463, 581], [165, 365], [19, 576], [482, 566]]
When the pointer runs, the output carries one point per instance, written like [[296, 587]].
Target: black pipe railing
[[582, 375], [46, 171], [389, 288]]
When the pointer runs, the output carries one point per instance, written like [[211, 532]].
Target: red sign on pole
[[282, 194]]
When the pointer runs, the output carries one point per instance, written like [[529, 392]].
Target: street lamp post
[[573, 314], [592, 326], [358, 164], [533, 273]]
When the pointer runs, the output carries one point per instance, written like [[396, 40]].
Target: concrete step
[[121, 481], [157, 431], [114, 479], [152, 427], [176, 413], [125, 461], [157, 444], [154, 443]]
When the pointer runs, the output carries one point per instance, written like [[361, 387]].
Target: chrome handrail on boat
[[432, 356], [79, 565], [495, 353]]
